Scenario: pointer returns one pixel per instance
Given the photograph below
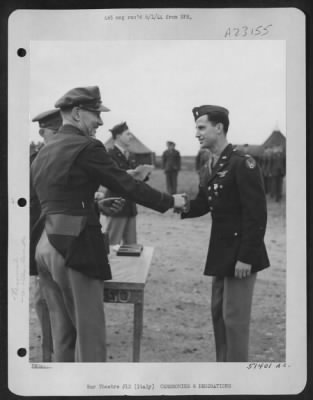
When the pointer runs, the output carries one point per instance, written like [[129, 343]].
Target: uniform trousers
[[231, 309], [171, 181], [44, 320], [75, 304], [121, 229]]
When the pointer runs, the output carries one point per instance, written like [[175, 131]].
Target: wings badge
[[222, 174]]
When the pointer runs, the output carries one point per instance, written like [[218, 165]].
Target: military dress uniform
[[234, 194], [171, 163], [122, 226], [52, 120], [68, 244]]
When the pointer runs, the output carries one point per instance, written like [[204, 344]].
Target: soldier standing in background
[[122, 226], [278, 172], [266, 169], [171, 163], [49, 123]]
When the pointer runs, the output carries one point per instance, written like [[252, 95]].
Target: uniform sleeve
[[198, 207], [253, 206], [95, 160]]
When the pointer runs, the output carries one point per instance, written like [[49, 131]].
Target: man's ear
[[220, 127], [75, 113]]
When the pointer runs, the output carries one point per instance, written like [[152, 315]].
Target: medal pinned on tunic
[[222, 174], [250, 163]]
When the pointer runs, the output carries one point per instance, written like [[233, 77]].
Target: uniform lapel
[[120, 155], [221, 162]]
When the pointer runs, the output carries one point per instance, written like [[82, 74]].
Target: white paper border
[[71, 379]]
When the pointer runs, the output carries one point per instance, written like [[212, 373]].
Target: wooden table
[[129, 275]]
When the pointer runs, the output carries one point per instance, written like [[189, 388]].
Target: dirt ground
[[177, 320]]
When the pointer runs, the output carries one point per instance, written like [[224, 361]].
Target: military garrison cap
[[203, 110], [49, 119], [119, 128], [87, 98]]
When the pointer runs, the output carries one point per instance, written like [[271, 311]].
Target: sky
[[154, 84]]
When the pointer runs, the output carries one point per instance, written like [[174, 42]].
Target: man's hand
[[110, 205], [141, 172], [242, 270], [181, 202]]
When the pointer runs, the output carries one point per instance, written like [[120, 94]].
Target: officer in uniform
[[122, 226], [171, 164], [68, 245], [49, 123], [231, 188]]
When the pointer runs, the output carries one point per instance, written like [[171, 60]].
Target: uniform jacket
[[129, 209], [65, 174], [171, 160], [234, 194]]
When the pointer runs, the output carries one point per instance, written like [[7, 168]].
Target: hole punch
[[22, 202], [21, 52], [21, 352]]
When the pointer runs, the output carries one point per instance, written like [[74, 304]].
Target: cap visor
[[103, 109]]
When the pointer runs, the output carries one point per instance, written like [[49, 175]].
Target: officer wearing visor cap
[[231, 188], [49, 123], [70, 251]]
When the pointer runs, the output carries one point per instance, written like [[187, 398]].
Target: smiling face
[[207, 132], [89, 121]]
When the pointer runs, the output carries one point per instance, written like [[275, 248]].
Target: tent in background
[[276, 139], [142, 153]]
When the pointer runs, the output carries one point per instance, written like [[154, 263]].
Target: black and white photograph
[[157, 164]]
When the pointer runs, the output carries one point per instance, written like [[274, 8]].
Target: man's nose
[[100, 122], [197, 133]]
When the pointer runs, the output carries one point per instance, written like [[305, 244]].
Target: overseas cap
[[49, 119], [203, 110], [86, 97], [119, 128]]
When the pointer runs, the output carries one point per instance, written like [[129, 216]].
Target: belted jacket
[[65, 175]]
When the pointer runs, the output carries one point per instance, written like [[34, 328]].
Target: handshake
[[181, 203]]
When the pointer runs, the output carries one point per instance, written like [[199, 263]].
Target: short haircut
[[216, 117], [118, 129]]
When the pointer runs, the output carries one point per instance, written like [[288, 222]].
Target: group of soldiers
[[67, 249], [272, 162]]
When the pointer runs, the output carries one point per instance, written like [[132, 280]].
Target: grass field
[[177, 320]]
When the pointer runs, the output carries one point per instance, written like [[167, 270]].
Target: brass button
[[236, 234], [210, 198]]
